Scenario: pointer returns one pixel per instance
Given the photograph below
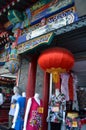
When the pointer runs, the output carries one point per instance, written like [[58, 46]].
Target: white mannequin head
[[16, 90], [36, 95], [57, 92], [23, 94]]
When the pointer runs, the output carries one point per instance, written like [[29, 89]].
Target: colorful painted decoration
[[2, 57], [56, 61], [15, 16], [28, 13], [62, 21], [12, 38], [16, 26], [46, 25], [33, 34], [70, 12], [51, 9], [14, 63], [13, 66], [34, 43], [8, 48], [38, 5]]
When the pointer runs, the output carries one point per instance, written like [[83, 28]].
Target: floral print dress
[[35, 116]]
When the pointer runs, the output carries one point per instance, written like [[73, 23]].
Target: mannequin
[[56, 110], [14, 99], [18, 119], [33, 115], [57, 92]]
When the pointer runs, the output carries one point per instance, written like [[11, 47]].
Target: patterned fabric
[[20, 119], [56, 107], [69, 87], [35, 116], [75, 85], [73, 124], [64, 85]]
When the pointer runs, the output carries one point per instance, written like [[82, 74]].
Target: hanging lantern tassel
[[56, 73], [55, 76]]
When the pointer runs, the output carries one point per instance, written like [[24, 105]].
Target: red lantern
[[56, 60]]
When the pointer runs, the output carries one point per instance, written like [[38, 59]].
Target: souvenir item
[[73, 121]]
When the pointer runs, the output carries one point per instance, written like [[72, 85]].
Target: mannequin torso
[[19, 113], [13, 104], [33, 117]]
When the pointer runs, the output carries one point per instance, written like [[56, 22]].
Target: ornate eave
[[72, 37], [71, 27]]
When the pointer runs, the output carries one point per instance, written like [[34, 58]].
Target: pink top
[[35, 116]]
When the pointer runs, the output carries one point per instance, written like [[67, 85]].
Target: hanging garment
[[35, 116], [75, 84], [70, 87], [64, 85], [56, 107], [13, 104], [20, 119]]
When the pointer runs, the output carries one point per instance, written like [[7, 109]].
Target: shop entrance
[[6, 84]]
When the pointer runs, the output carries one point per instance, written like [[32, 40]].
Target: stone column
[[45, 100]]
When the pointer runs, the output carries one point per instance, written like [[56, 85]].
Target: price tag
[[74, 124], [55, 109], [40, 109], [12, 106]]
